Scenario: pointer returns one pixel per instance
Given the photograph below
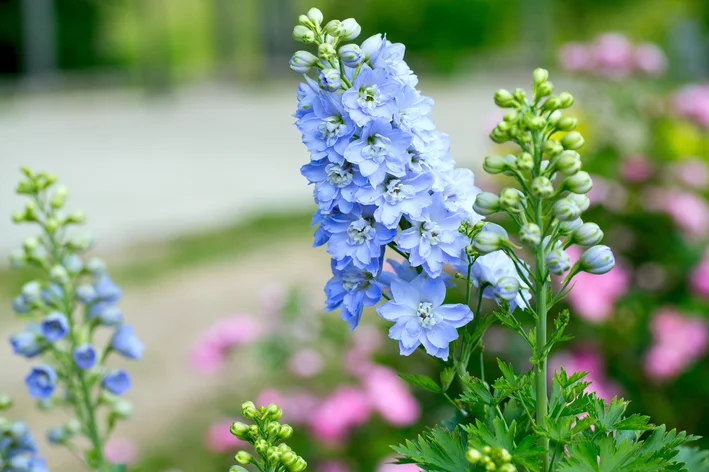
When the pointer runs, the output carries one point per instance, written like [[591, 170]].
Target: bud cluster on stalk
[[551, 196], [266, 436], [491, 459]]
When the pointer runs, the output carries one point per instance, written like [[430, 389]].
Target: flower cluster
[[18, 448], [383, 176], [65, 311], [489, 458], [266, 436]]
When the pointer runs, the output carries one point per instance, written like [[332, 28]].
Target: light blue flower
[[330, 79], [85, 356], [459, 193], [491, 270], [597, 260], [127, 343], [28, 343], [390, 57], [117, 382], [413, 114], [396, 197], [41, 381], [20, 305], [106, 290], [351, 289], [433, 239], [380, 149], [420, 317], [335, 184], [328, 129], [308, 93], [433, 157], [107, 314], [371, 96], [55, 326], [53, 295]]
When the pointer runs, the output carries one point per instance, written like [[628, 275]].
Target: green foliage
[[439, 450]]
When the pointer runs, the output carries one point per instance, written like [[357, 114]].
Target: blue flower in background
[[420, 317], [55, 326], [351, 289], [117, 382], [434, 239], [397, 196], [106, 290], [53, 295], [335, 184], [126, 343], [86, 293], [308, 93], [371, 96], [41, 381], [106, 313], [20, 305], [85, 356], [328, 129], [28, 343], [380, 149]]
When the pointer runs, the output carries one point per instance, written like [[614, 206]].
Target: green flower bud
[[507, 468], [542, 187], [504, 456], [597, 260], [568, 163], [486, 204], [470, 250], [558, 261], [588, 234], [315, 16], [273, 428], [494, 164], [504, 99], [273, 455], [511, 116], [73, 426], [273, 412], [240, 430], [283, 448], [535, 122], [540, 76], [352, 29], [487, 241], [52, 225], [18, 216], [567, 227], [511, 200], [567, 100], [254, 431], [327, 51], [499, 136], [122, 408], [76, 217], [525, 162], [552, 104], [59, 196], [248, 410], [553, 148], [530, 234], [302, 62], [519, 95], [335, 28], [261, 446], [59, 274], [567, 123], [474, 456], [303, 34], [299, 465], [305, 21], [581, 201], [572, 140], [243, 458], [5, 402], [566, 210], [544, 89], [554, 117], [285, 432], [579, 183], [289, 458]]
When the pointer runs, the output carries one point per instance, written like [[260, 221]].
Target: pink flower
[[650, 59], [268, 396], [688, 210], [594, 296], [332, 466], [694, 173], [635, 168], [693, 102], [587, 359], [368, 338], [122, 451], [699, 279], [306, 362], [219, 439], [390, 396], [346, 408], [209, 354], [613, 56], [663, 363], [207, 359], [387, 466], [575, 57]]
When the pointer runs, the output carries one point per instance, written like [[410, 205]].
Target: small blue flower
[[55, 326], [328, 129], [335, 184], [390, 57], [308, 93], [351, 289], [107, 314], [41, 381], [380, 149], [421, 318], [117, 382], [106, 290], [53, 295], [489, 269], [371, 96], [85, 356], [86, 293], [73, 263], [459, 193], [20, 305], [57, 435], [597, 260], [127, 343], [413, 113], [396, 197], [28, 343]]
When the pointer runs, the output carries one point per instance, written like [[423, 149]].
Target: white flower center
[[376, 148], [398, 191], [352, 280], [332, 128], [369, 97], [338, 175], [426, 315], [360, 231], [431, 233]]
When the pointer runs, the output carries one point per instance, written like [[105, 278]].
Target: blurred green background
[[170, 120]]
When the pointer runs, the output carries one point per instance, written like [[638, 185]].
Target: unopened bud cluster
[[551, 198], [490, 459], [266, 435]]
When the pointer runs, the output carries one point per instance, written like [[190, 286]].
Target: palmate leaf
[[423, 381], [607, 455], [439, 450], [694, 460]]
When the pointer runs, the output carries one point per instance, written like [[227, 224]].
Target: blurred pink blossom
[[587, 359], [368, 338], [609, 193], [387, 466], [332, 466], [358, 362], [390, 396], [688, 210], [209, 353], [693, 102], [122, 451], [679, 341], [693, 172], [594, 296], [650, 59], [219, 439], [699, 278], [306, 362], [613, 55], [346, 408], [635, 168], [575, 57]]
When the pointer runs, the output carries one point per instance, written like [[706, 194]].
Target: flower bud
[[504, 99], [568, 163], [273, 412], [511, 200], [553, 148], [552, 104], [572, 140], [371, 46], [243, 458], [494, 164], [327, 51], [122, 408], [597, 260], [303, 34], [566, 210], [506, 288], [299, 465], [286, 431], [519, 95], [351, 55], [288, 458], [511, 116], [581, 201], [540, 76], [59, 274], [499, 136], [579, 183], [567, 100], [544, 89], [335, 28], [558, 261], [535, 122], [273, 455], [530, 234], [352, 29], [59, 196], [525, 162], [248, 410], [52, 225], [5, 402], [486, 242], [507, 468], [542, 187], [567, 227], [57, 435], [302, 62], [588, 234], [305, 21], [240, 430], [315, 15], [567, 123], [486, 204], [474, 456], [330, 79], [261, 446]]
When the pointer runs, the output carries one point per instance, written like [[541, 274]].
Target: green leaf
[[422, 381], [476, 391], [439, 450], [447, 376], [694, 459]]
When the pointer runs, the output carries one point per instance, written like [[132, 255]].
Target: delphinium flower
[[18, 448], [64, 311], [383, 174]]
